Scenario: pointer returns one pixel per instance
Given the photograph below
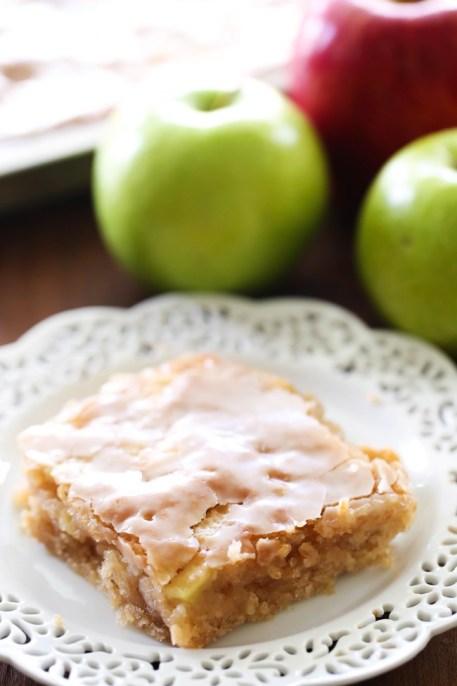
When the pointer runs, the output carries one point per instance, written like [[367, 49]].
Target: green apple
[[407, 239], [210, 188]]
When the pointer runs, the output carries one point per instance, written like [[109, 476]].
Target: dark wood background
[[51, 259]]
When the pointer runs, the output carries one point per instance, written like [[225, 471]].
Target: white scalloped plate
[[384, 388]]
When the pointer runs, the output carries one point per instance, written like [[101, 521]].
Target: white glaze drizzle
[[152, 464]]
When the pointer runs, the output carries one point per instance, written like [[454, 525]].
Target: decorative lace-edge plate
[[385, 389]]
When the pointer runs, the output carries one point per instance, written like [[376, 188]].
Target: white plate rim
[[240, 319]]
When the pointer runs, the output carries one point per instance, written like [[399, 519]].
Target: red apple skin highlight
[[374, 75]]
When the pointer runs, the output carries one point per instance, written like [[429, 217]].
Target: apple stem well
[[208, 101]]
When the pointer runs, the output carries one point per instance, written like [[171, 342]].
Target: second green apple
[[407, 239], [211, 188]]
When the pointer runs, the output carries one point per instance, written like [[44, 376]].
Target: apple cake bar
[[202, 494]]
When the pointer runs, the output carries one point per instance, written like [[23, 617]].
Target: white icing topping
[[153, 452]]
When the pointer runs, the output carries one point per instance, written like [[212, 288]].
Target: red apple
[[374, 75]]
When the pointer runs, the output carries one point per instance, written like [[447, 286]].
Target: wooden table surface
[[51, 259]]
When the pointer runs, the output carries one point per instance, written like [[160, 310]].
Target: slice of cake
[[203, 494]]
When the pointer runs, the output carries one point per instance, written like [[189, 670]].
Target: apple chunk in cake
[[202, 494]]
